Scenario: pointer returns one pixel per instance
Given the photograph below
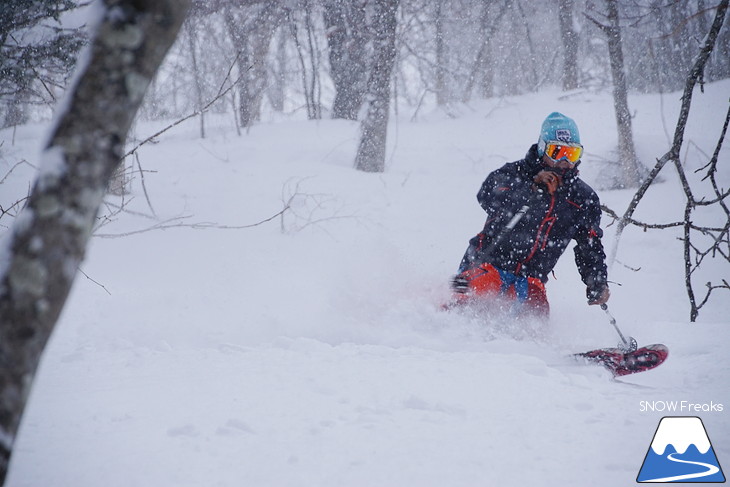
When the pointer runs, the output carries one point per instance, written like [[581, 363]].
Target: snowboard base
[[619, 362]]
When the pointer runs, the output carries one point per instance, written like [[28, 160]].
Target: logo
[[680, 452], [563, 135]]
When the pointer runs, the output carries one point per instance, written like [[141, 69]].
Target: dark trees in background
[[374, 127], [318, 56], [36, 54], [660, 38], [48, 241]]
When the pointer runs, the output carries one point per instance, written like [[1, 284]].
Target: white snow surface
[[311, 351]]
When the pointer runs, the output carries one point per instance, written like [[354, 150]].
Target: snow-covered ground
[[310, 350]]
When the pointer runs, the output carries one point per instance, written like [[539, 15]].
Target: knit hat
[[557, 128]]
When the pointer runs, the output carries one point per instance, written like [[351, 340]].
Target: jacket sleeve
[[589, 254], [499, 185]]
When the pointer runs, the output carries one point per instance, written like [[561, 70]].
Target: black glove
[[460, 284]]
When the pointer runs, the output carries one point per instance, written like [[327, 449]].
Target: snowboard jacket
[[534, 245]]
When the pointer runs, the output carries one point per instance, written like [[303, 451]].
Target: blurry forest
[[312, 58]]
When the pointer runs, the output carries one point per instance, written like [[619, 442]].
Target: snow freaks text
[[680, 407]]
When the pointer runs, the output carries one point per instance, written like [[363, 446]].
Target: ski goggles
[[559, 151]]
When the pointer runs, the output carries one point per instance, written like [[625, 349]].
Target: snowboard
[[620, 362]]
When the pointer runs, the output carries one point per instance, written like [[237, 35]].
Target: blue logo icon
[[681, 452]]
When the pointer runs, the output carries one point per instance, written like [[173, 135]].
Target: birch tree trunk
[[44, 248], [371, 151]]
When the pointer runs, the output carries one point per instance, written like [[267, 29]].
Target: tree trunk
[[277, 89], [252, 28], [345, 24], [371, 151], [570, 45], [481, 69], [192, 35], [48, 241], [314, 61], [632, 173], [309, 79], [441, 94]]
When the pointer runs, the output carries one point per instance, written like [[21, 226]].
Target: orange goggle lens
[[558, 152]]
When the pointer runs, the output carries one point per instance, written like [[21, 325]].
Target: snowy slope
[[310, 350]]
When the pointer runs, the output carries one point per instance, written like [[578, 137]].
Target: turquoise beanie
[[559, 128]]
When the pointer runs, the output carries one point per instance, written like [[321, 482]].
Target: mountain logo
[[681, 452]]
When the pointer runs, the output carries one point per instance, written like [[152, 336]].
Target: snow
[[310, 350]]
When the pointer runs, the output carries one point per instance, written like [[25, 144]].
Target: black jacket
[[534, 245]]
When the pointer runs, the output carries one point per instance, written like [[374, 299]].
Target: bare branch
[[673, 153], [221, 93], [177, 223]]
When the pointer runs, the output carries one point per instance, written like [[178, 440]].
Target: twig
[[7, 174], [167, 224], [204, 109], [92, 280], [144, 187]]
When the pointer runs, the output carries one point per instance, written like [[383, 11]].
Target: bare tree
[[481, 69], [716, 242], [277, 88], [719, 236], [37, 54], [371, 151], [191, 33], [441, 55], [531, 60], [347, 38], [48, 240], [570, 45], [251, 29], [630, 171], [308, 55]]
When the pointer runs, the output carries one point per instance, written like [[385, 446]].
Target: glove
[[598, 295], [549, 180], [459, 284]]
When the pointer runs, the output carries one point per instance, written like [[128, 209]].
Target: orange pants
[[486, 281]]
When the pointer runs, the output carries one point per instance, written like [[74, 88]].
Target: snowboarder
[[535, 207]]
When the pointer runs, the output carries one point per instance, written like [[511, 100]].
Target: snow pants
[[526, 295]]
